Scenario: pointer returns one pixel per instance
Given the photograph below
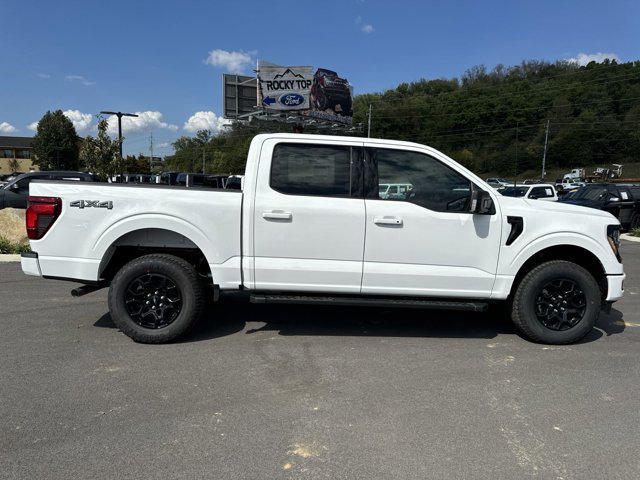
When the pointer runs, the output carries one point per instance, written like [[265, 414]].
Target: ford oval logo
[[291, 99]]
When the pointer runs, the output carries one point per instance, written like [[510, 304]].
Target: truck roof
[[333, 138]]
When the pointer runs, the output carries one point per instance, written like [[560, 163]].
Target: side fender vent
[[517, 225]]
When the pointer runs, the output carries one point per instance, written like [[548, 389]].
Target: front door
[[309, 217], [424, 241]]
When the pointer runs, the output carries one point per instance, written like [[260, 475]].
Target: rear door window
[[315, 170]]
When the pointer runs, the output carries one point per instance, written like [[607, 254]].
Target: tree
[[55, 145], [14, 165], [101, 155], [133, 164]]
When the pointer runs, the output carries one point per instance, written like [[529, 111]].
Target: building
[[16, 154]]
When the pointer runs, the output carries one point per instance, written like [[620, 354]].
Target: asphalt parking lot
[[267, 392]]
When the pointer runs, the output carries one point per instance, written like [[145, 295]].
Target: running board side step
[[468, 305]]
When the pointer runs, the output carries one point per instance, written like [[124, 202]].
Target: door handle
[[390, 221], [277, 215]]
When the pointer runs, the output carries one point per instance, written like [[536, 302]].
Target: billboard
[[285, 88], [239, 95], [322, 94]]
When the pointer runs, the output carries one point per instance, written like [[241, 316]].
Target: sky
[[164, 59]]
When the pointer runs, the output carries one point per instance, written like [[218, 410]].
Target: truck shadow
[[229, 318], [366, 321]]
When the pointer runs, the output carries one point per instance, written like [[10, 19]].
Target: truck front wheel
[[156, 298], [557, 302]]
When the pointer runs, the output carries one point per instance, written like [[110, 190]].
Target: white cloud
[[81, 121], [6, 127], [78, 78], [164, 145], [233, 62], [367, 28], [205, 121], [584, 58], [43, 75], [145, 121]]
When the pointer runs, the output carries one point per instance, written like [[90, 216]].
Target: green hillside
[[490, 121], [495, 121]]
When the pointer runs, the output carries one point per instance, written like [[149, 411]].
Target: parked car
[[567, 184], [611, 197], [498, 182], [537, 191], [394, 190], [14, 194], [201, 180], [7, 177], [234, 182], [310, 227]]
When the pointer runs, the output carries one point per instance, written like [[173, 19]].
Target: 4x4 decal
[[91, 204]]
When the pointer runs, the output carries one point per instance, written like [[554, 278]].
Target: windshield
[[589, 193], [514, 191]]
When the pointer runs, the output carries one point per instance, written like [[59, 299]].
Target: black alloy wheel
[[153, 300], [560, 304]]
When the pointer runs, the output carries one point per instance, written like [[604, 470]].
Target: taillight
[[42, 212]]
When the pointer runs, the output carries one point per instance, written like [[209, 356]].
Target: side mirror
[[14, 186], [481, 202]]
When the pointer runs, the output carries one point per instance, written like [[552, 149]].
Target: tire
[[537, 284], [171, 275], [635, 221]]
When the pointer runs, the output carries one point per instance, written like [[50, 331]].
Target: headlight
[[613, 236]]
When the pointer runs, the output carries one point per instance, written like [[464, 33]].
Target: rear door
[[425, 242], [309, 217]]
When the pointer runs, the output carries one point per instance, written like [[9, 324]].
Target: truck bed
[[96, 217]]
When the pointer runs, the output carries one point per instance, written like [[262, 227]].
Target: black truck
[[15, 193], [621, 200]]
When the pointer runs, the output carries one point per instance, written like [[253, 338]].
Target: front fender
[[512, 260]]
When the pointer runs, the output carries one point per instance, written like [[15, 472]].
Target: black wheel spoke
[[560, 304], [153, 300]]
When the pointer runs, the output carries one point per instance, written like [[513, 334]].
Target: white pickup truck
[[310, 226]]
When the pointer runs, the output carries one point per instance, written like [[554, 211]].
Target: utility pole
[[119, 115], [151, 150], [544, 153], [369, 122]]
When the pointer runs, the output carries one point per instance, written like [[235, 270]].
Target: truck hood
[[512, 205]]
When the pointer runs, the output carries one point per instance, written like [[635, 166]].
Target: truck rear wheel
[[557, 302], [156, 298]]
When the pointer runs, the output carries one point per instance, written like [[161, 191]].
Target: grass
[[7, 246], [635, 232]]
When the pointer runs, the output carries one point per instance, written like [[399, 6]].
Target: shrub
[[7, 246]]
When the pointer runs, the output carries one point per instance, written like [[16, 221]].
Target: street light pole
[[119, 115]]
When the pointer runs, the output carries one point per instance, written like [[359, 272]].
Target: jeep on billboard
[[330, 92]]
